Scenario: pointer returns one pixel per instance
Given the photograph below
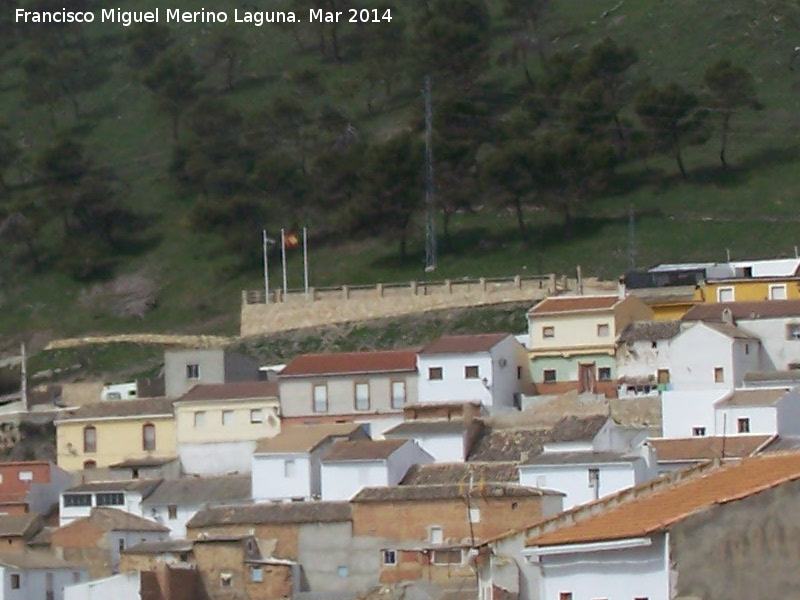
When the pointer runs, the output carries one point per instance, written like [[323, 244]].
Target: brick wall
[[85, 543], [286, 535], [413, 565]]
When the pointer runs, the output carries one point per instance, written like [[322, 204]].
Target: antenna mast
[[430, 222]]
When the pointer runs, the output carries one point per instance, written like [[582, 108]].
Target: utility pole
[[631, 239], [430, 220], [24, 377], [265, 241]]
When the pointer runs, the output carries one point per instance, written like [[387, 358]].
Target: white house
[[350, 466], [78, 501], [287, 466], [32, 574], [445, 440], [681, 453], [176, 501], [490, 368], [689, 413], [707, 356], [123, 586], [644, 357]]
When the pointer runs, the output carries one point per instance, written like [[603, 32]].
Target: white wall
[[681, 411], [763, 420], [378, 424], [177, 526], [695, 353], [614, 574], [453, 387], [789, 413], [642, 360], [124, 586], [67, 514], [573, 479], [403, 458], [269, 481], [443, 447], [221, 458], [343, 480], [506, 357], [33, 584], [777, 352]]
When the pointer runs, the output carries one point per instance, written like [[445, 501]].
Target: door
[[586, 378]]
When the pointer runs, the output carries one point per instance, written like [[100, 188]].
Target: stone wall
[[547, 410]]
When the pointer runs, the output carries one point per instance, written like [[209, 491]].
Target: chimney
[[621, 289], [727, 316]]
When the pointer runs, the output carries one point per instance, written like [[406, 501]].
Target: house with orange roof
[[573, 341], [715, 532]]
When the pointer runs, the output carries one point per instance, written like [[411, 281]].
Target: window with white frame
[[725, 294], [199, 418], [321, 398], [256, 574], [362, 396], [548, 331], [26, 475], [777, 291], [604, 374], [256, 415], [594, 478], [193, 371], [435, 373], [452, 556], [389, 557], [475, 515], [288, 468], [471, 372], [603, 330], [743, 425], [227, 418], [548, 375], [398, 394], [698, 431], [435, 534]]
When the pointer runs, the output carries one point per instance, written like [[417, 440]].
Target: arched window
[[89, 464], [148, 437], [89, 439]]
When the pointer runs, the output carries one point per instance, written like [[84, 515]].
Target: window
[[719, 375], [725, 294], [435, 535], [148, 437], [471, 372], [15, 580], [549, 375], [89, 464], [77, 499], [389, 557], [256, 574], [26, 475], [172, 512], [565, 596], [398, 394], [89, 439], [698, 431], [362, 396], [256, 415], [654, 344], [110, 499], [435, 373], [320, 398], [604, 374], [594, 478], [288, 468], [121, 545], [603, 330], [475, 515], [743, 425], [447, 557], [663, 376], [227, 418], [519, 372], [342, 570], [200, 418], [793, 331], [777, 292], [193, 371], [226, 579], [548, 332]]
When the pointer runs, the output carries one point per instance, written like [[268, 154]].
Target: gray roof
[[580, 458], [272, 513], [754, 397], [19, 525], [141, 463], [673, 294], [143, 486], [114, 519], [122, 409], [791, 375], [411, 493], [454, 473], [193, 491], [162, 547], [426, 427], [649, 331], [36, 559]]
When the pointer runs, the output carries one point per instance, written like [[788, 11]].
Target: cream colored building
[[218, 425], [108, 433]]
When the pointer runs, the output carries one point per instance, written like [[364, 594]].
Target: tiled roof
[[19, 525], [272, 513], [193, 491], [464, 344], [121, 409], [765, 309], [707, 448], [363, 450], [148, 461], [580, 458], [162, 547], [239, 390], [35, 559], [753, 397], [563, 304], [517, 444], [454, 473], [661, 296], [113, 519], [304, 438], [658, 510], [344, 363], [412, 493], [143, 486], [649, 331], [42, 538], [732, 331], [426, 427]]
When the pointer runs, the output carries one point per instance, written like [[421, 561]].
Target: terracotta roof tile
[[363, 450], [454, 473], [272, 513], [765, 309], [389, 361], [239, 390], [661, 508], [562, 304], [706, 448], [464, 344], [304, 438]]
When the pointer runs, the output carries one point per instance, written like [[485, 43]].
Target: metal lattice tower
[[430, 213]]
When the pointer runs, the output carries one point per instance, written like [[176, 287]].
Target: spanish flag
[[291, 240]]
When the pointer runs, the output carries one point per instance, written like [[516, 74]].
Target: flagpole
[[266, 267], [305, 259], [283, 261]]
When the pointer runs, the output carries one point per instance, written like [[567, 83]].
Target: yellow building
[[749, 289], [668, 303], [100, 435]]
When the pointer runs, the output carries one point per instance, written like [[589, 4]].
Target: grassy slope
[[751, 209]]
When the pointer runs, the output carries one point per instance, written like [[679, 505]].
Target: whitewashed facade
[[123, 586], [77, 502], [27, 578]]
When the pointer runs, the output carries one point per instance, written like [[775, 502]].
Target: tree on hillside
[[385, 50], [230, 49], [530, 13], [173, 79], [673, 119], [9, 153], [731, 87], [508, 171], [237, 220], [146, 42]]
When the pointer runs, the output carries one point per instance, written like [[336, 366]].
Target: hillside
[[184, 244]]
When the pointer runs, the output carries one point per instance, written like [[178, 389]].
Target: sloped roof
[[412, 493], [363, 450], [464, 344], [662, 296], [35, 559], [238, 390], [304, 438], [427, 427], [649, 331], [764, 309], [565, 304], [580, 458], [708, 448], [753, 397], [515, 444], [144, 462], [791, 375], [272, 513], [122, 409], [144, 486], [19, 525], [455, 473], [113, 519], [660, 509], [732, 331], [193, 491], [344, 363], [162, 547]]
